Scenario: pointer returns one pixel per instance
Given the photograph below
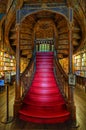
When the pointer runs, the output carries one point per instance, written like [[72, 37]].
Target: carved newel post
[[17, 103]]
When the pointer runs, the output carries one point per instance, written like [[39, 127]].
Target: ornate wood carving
[[44, 1]]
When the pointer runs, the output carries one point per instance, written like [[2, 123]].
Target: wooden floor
[[80, 102]]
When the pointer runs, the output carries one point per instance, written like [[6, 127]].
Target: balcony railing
[[43, 5]]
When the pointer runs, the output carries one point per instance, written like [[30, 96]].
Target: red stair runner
[[44, 103]]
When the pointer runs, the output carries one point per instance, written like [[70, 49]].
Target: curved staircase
[[44, 102]]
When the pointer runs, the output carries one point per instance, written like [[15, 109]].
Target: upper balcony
[[42, 3]]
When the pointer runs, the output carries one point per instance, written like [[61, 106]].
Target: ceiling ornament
[[44, 26]]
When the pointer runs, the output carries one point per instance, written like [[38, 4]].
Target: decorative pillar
[[71, 104], [17, 103], [70, 47]]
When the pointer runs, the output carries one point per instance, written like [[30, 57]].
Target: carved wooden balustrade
[[43, 4], [62, 78], [27, 76]]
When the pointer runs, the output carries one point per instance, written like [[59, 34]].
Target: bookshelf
[[7, 63], [1, 64], [80, 64]]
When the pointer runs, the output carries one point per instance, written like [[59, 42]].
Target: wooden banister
[[27, 76], [62, 78]]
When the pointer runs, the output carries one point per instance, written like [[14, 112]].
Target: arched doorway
[[44, 32], [44, 26]]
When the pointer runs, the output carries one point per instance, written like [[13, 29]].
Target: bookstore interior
[[43, 56]]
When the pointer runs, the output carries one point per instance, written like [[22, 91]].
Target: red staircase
[[44, 103]]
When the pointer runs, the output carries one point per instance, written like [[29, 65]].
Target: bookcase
[[7, 63], [1, 64], [80, 64]]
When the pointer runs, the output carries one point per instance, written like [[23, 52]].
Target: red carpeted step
[[46, 57], [43, 74], [43, 82], [44, 91], [44, 85], [44, 118], [45, 99], [44, 53], [44, 65], [44, 79], [43, 102], [49, 109], [45, 70]]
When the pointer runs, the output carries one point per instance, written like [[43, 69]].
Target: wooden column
[[70, 48], [17, 103], [71, 104]]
